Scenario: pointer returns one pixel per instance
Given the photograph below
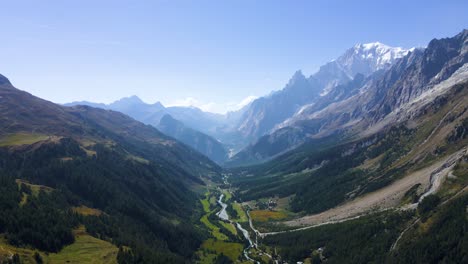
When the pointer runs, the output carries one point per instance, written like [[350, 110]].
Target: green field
[[206, 204], [86, 249], [214, 230], [231, 250], [217, 245], [229, 227], [21, 139], [227, 195], [241, 216]]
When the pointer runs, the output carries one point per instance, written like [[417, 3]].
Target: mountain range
[[368, 103], [187, 124], [377, 149], [267, 112], [235, 130], [364, 161]]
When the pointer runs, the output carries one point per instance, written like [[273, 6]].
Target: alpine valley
[[364, 161]]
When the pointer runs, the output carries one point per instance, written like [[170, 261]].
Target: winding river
[[224, 216]]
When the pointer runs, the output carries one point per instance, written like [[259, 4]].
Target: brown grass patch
[[266, 215], [84, 210]]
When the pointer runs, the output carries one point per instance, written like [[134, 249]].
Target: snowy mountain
[[361, 59], [266, 113], [398, 93]]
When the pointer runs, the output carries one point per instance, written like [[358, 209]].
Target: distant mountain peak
[[376, 54], [127, 102], [363, 59], [131, 99], [298, 74], [4, 80], [297, 77], [370, 45], [158, 104], [167, 118]]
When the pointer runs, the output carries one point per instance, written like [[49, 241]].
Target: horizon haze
[[212, 55]]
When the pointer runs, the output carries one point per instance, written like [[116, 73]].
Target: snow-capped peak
[[376, 53], [363, 59], [369, 57], [372, 45]]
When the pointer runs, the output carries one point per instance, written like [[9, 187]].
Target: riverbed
[[223, 215]]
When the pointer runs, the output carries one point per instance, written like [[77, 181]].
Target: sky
[[216, 55]]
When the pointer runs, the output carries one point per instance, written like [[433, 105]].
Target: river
[[224, 216]]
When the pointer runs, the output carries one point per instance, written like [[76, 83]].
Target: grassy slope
[[86, 211], [21, 139], [241, 216], [85, 249], [232, 250], [35, 189]]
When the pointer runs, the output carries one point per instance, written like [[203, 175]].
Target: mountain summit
[[361, 59], [372, 56], [393, 95], [4, 80]]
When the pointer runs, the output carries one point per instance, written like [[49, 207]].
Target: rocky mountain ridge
[[365, 104]]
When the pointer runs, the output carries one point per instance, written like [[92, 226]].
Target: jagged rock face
[[331, 75], [363, 107], [407, 79], [421, 71], [266, 112], [294, 131], [337, 94], [362, 60]]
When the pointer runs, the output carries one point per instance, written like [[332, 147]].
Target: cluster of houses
[[270, 204]]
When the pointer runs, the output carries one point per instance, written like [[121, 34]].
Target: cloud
[[190, 101], [212, 106], [246, 101]]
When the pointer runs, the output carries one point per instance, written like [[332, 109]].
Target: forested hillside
[[63, 169]]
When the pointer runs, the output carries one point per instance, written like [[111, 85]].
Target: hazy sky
[[213, 54]]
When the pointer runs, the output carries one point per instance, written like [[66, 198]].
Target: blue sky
[[212, 54]]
